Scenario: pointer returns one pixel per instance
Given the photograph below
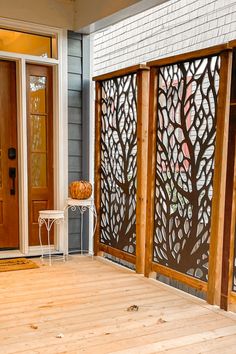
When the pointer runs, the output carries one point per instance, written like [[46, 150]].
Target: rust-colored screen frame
[[216, 236], [142, 73]]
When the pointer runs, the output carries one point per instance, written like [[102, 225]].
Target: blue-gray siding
[[74, 126]]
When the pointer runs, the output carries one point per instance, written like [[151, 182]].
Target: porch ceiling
[[93, 15], [84, 16], [86, 301]]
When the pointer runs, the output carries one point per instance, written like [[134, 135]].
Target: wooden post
[[97, 172], [142, 159], [230, 211], [151, 170], [219, 183]]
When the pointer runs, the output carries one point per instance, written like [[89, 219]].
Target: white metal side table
[[82, 206], [48, 218]]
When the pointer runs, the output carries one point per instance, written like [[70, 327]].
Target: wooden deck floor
[[85, 303]]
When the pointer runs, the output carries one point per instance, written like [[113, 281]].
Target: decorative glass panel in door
[[40, 145]]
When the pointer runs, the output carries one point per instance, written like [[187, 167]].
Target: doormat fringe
[[7, 265]]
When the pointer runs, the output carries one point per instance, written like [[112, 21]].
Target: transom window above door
[[27, 43]]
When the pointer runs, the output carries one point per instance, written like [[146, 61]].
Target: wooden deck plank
[[87, 301], [121, 334], [223, 345], [177, 342], [169, 314]]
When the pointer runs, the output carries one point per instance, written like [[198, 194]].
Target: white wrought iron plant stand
[[48, 218], [82, 206]]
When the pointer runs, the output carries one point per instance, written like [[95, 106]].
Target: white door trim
[[60, 123]]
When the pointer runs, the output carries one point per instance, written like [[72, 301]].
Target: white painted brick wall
[[175, 27]]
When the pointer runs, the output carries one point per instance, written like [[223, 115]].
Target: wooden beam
[[183, 278], [97, 172], [117, 253], [142, 161], [121, 72], [232, 44], [190, 55], [230, 210], [151, 170], [219, 182]]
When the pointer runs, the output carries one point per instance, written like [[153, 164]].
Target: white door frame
[[60, 129]]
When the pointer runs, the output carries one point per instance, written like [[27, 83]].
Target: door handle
[[12, 175]]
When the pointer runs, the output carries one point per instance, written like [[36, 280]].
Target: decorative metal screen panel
[[186, 130], [119, 162]]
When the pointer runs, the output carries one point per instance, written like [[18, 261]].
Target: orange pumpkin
[[80, 190]]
